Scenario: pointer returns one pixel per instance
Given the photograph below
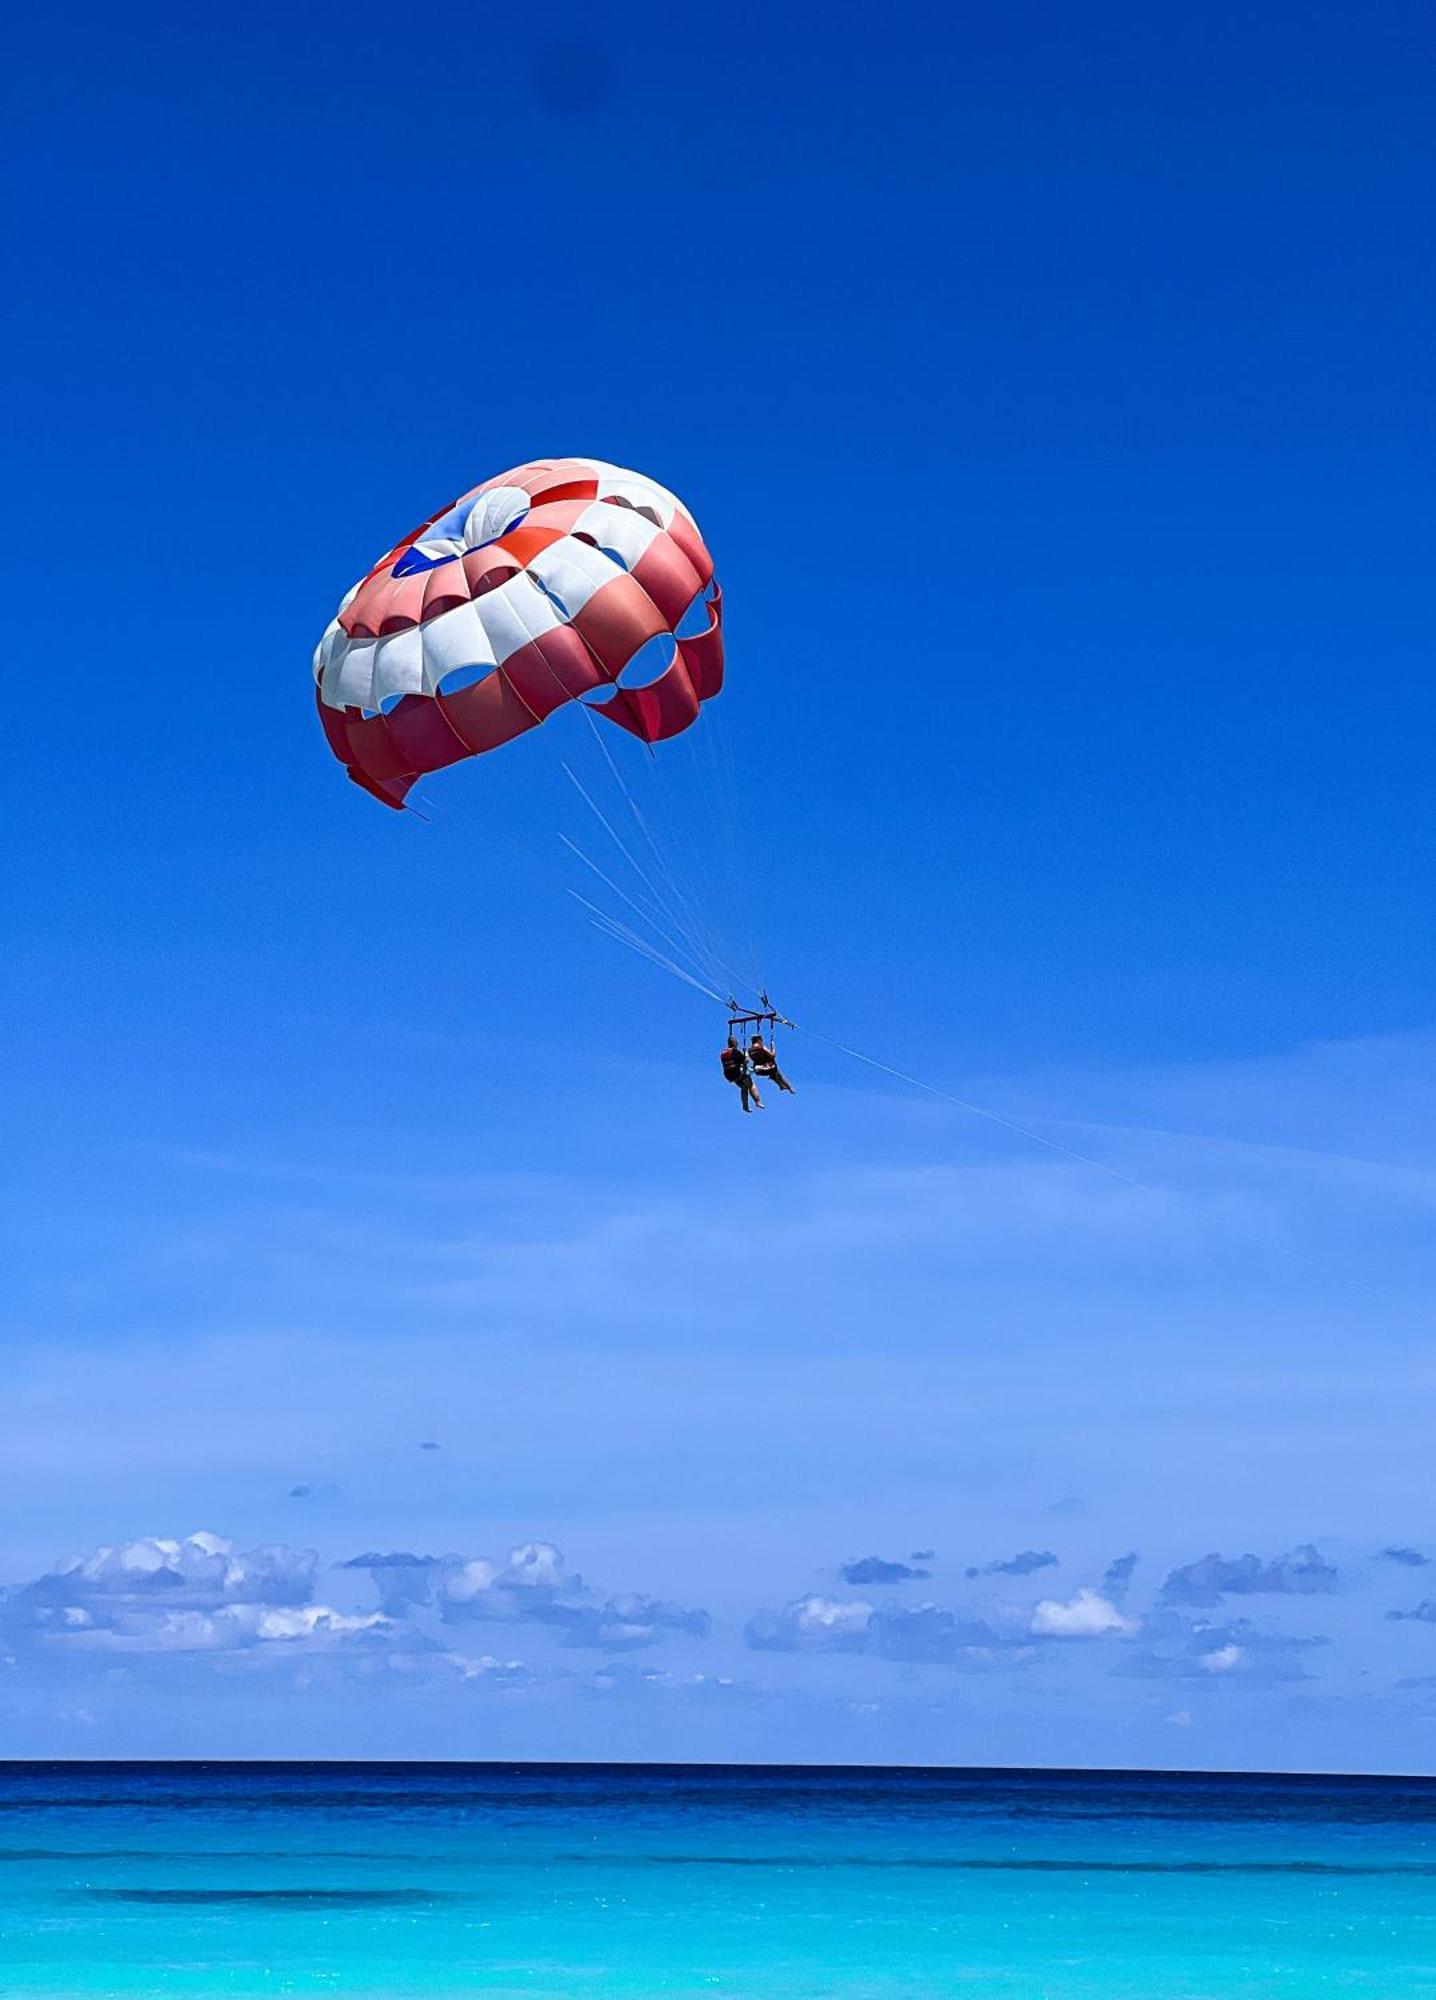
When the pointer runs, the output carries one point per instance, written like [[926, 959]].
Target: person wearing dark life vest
[[738, 1069]]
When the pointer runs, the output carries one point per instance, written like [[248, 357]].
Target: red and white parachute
[[538, 588]]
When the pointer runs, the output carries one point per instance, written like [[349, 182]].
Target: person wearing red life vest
[[764, 1062]]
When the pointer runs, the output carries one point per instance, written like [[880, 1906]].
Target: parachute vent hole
[[592, 542], [618, 500], [695, 620], [650, 662], [459, 678], [447, 600], [547, 590], [490, 580]]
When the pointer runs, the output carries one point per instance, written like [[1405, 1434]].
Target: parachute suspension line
[[644, 916], [683, 912], [655, 893], [1258, 1242], [716, 862], [684, 916], [606, 927], [663, 896], [623, 935], [697, 925], [731, 871], [674, 909], [711, 752], [692, 926], [667, 908], [710, 732], [601, 919]]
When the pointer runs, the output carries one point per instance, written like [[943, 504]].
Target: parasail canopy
[[539, 588]]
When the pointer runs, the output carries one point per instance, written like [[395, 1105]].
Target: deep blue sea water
[[381, 1880]]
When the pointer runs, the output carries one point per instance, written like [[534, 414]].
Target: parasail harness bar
[[765, 1015]]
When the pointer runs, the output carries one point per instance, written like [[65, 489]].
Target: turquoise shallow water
[[388, 1880]]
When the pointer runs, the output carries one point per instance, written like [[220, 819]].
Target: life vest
[[734, 1063]]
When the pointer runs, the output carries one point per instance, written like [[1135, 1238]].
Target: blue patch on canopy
[[414, 560], [450, 528]]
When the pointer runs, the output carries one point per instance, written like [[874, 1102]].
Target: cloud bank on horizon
[[160, 1619]]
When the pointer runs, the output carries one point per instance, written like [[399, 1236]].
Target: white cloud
[[231, 1628], [201, 1569], [486, 1668], [1181, 1648], [531, 1585], [163, 1596], [1225, 1660], [492, 1589], [310, 1621], [828, 1616], [814, 1624], [1088, 1615]]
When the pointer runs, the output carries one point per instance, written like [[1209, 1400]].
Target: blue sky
[[1053, 389]]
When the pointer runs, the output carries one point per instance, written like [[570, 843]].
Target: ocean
[[382, 1880]]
